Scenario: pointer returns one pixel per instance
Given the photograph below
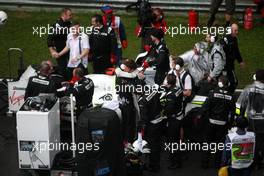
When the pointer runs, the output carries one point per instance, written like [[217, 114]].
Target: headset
[[220, 84], [177, 67], [122, 66], [254, 77], [161, 17], [212, 38]]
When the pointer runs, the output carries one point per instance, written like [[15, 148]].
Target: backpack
[[194, 89], [100, 126], [3, 97]]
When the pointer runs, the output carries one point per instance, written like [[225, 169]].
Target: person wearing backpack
[[183, 78]]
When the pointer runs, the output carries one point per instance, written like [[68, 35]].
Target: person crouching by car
[[40, 83], [82, 88]]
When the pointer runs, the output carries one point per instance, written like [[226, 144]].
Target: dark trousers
[[260, 6], [119, 56], [231, 76], [145, 37], [153, 134], [230, 6], [62, 63], [259, 150], [214, 134], [101, 63], [239, 172], [173, 136], [215, 4], [128, 122]]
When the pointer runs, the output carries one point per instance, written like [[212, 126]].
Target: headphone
[[254, 77], [212, 38], [179, 64], [122, 66], [220, 84], [177, 67]]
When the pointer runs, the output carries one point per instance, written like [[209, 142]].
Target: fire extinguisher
[[248, 19], [193, 19], [257, 1]]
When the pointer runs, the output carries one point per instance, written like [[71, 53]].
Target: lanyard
[[80, 44]]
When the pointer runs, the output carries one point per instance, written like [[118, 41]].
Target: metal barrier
[[21, 62]]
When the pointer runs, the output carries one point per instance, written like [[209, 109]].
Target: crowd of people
[[208, 69]]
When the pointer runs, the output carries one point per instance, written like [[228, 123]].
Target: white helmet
[[3, 17]]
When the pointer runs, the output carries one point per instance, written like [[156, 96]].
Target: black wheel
[[3, 98], [28, 173]]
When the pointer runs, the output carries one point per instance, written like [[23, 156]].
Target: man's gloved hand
[[113, 59], [147, 47], [74, 80], [145, 64], [141, 146], [138, 31], [124, 44], [63, 89]]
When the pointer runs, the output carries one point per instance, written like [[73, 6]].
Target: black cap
[[241, 122], [179, 61], [260, 75], [157, 33]]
